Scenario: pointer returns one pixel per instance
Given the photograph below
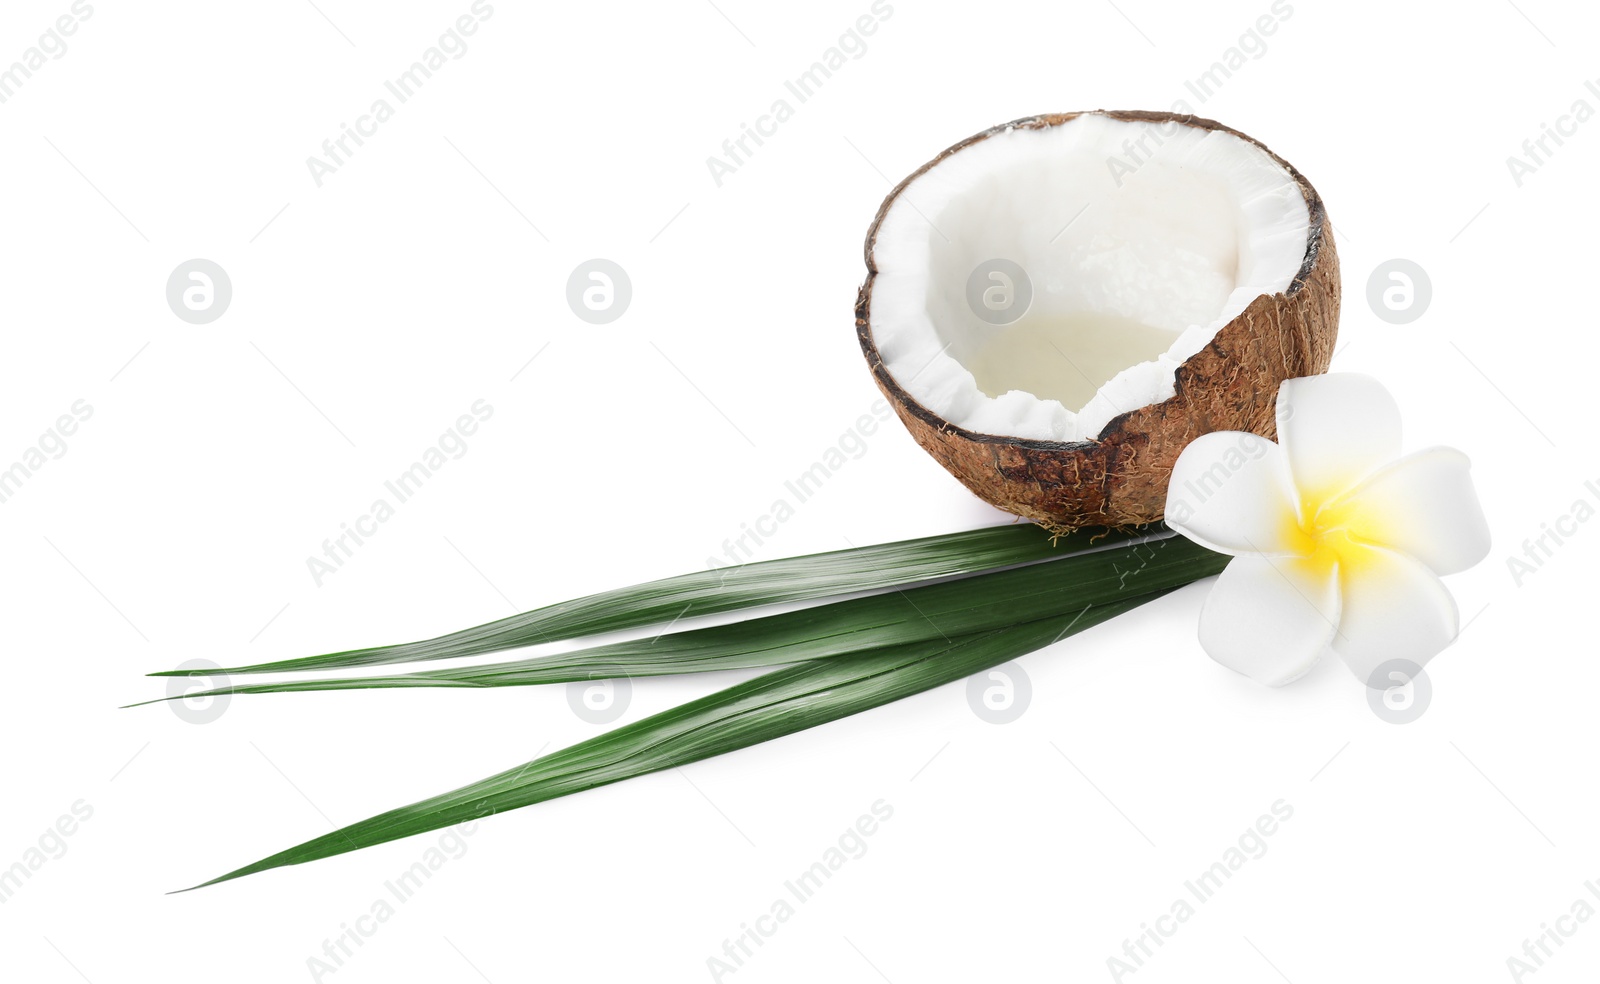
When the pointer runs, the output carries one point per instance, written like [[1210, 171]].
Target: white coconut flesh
[[1135, 259]]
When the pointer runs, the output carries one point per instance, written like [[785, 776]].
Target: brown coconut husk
[[1120, 478]]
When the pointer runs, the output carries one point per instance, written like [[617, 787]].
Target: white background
[[425, 274]]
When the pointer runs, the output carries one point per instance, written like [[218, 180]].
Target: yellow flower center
[[1324, 537]]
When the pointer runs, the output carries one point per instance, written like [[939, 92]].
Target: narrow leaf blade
[[709, 592], [930, 613], [770, 706]]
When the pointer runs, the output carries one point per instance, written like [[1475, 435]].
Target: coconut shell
[[1120, 478]]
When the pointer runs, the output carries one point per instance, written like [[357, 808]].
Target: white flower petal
[[1423, 505], [1336, 430], [1230, 492], [1270, 618], [1392, 607]]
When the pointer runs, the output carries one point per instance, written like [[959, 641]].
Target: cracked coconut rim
[[1159, 276]]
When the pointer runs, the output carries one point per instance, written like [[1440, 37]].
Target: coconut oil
[[1065, 357]]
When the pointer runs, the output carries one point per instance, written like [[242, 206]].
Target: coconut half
[[1056, 306]]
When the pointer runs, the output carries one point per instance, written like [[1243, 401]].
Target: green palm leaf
[[770, 706], [709, 592], [931, 613]]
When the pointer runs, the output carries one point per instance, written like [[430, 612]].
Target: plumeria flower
[[1338, 543]]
